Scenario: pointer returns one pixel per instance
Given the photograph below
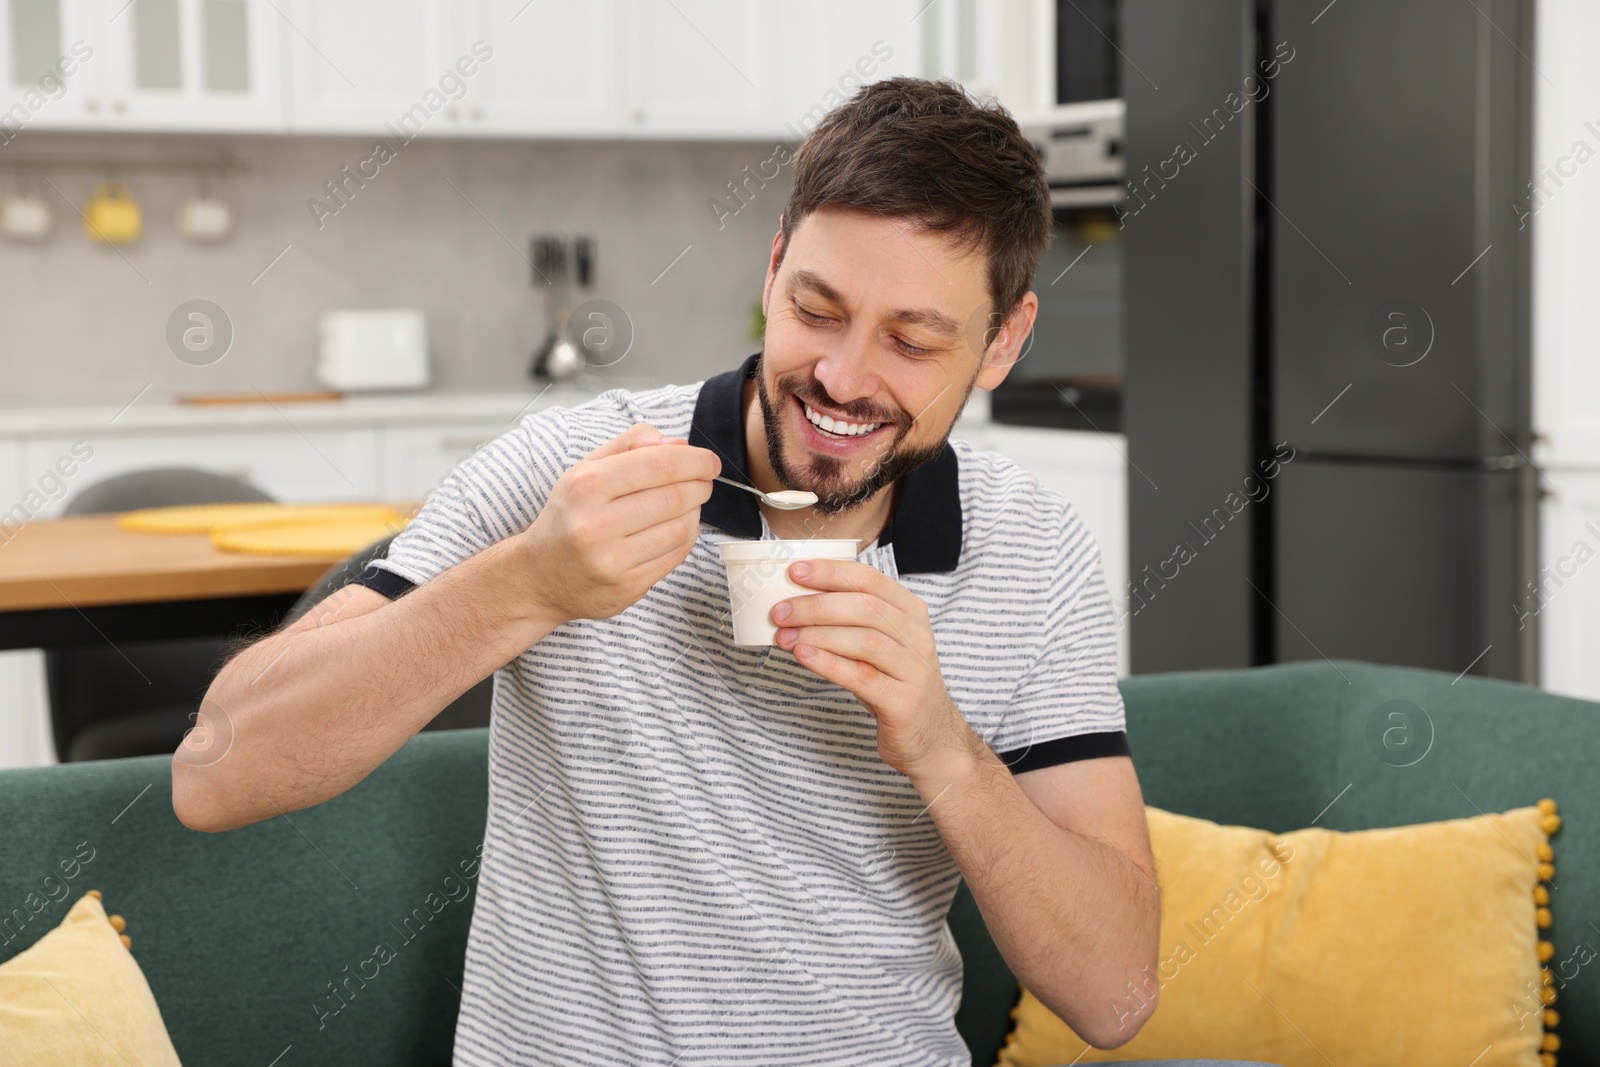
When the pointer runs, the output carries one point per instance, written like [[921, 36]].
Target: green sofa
[[240, 934]]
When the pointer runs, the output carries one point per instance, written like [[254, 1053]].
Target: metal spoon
[[783, 499]]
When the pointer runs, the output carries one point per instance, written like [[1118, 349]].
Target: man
[[699, 852]]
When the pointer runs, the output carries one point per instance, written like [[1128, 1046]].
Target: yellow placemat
[[307, 539], [209, 518]]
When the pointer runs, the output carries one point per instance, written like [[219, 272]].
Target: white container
[[385, 349], [24, 217], [205, 219], [758, 577]]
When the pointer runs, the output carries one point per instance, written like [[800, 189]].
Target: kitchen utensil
[[583, 264], [25, 216], [559, 358], [113, 216], [205, 219], [783, 499]]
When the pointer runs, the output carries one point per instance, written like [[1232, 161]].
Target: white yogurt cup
[[758, 577]]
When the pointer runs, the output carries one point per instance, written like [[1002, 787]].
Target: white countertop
[[146, 414], [422, 408]]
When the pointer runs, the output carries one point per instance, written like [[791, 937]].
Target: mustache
[[852, 412]]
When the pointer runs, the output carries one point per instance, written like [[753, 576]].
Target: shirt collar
[[924, 526]]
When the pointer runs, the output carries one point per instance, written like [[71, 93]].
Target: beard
[[826, 475]]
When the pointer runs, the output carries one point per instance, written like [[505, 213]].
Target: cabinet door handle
[[455, 444]]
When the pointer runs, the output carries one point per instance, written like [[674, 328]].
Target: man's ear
[[773, 262], [1007, 344]]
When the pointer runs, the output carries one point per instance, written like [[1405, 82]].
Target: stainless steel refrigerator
[[1326, 301]]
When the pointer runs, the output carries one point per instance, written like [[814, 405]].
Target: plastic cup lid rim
[[749, 551]]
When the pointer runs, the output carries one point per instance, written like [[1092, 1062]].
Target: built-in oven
[[1070, 374]]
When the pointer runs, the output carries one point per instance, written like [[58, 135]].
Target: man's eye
[[911, 349], [809, 316]]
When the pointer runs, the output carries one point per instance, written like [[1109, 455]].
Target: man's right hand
[[314, 708], [617, 522]]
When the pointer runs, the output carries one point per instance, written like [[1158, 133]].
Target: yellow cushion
[[208, 518], [1417, 945], [78, 999]]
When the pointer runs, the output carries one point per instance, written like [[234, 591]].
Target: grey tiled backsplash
[[444, 225]]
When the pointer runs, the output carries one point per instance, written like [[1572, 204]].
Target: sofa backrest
[[341, 930], [269, 936]]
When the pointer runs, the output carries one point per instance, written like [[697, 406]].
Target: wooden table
[[81, 580]]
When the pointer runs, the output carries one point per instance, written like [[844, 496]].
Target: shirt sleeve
[[492, 494], [1068, 707]]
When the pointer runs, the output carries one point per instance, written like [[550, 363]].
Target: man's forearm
[[1075, 919], [307, 713]]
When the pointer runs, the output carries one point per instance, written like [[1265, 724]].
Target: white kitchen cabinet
[[202, 65], [703, 68], [1566, 601], [999, 48], [313, 465], [1087, 468], [556, 68], [211, 65], [52, 54], [395, 69], [833, 47], [415, 459], [386, 68]]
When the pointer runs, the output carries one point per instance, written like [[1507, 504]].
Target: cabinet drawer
[[417, 458]]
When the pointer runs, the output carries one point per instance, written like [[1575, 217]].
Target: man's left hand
[[872, 635]]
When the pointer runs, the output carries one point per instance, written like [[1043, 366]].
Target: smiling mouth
[[839, 429]]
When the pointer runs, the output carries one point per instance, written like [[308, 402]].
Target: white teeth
[[836, 427]]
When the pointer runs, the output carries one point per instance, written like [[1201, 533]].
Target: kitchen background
[[368, 156], [89, 322], [661, 132]]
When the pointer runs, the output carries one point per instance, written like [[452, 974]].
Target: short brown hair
[[927, 152]]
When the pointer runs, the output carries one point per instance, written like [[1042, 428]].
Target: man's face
[[876, 323]]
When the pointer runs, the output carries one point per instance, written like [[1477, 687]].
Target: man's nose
[[851, 373]]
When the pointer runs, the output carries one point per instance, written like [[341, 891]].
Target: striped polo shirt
[[694, 853]]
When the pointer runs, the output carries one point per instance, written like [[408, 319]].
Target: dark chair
[[467, 710], [138, 698]]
